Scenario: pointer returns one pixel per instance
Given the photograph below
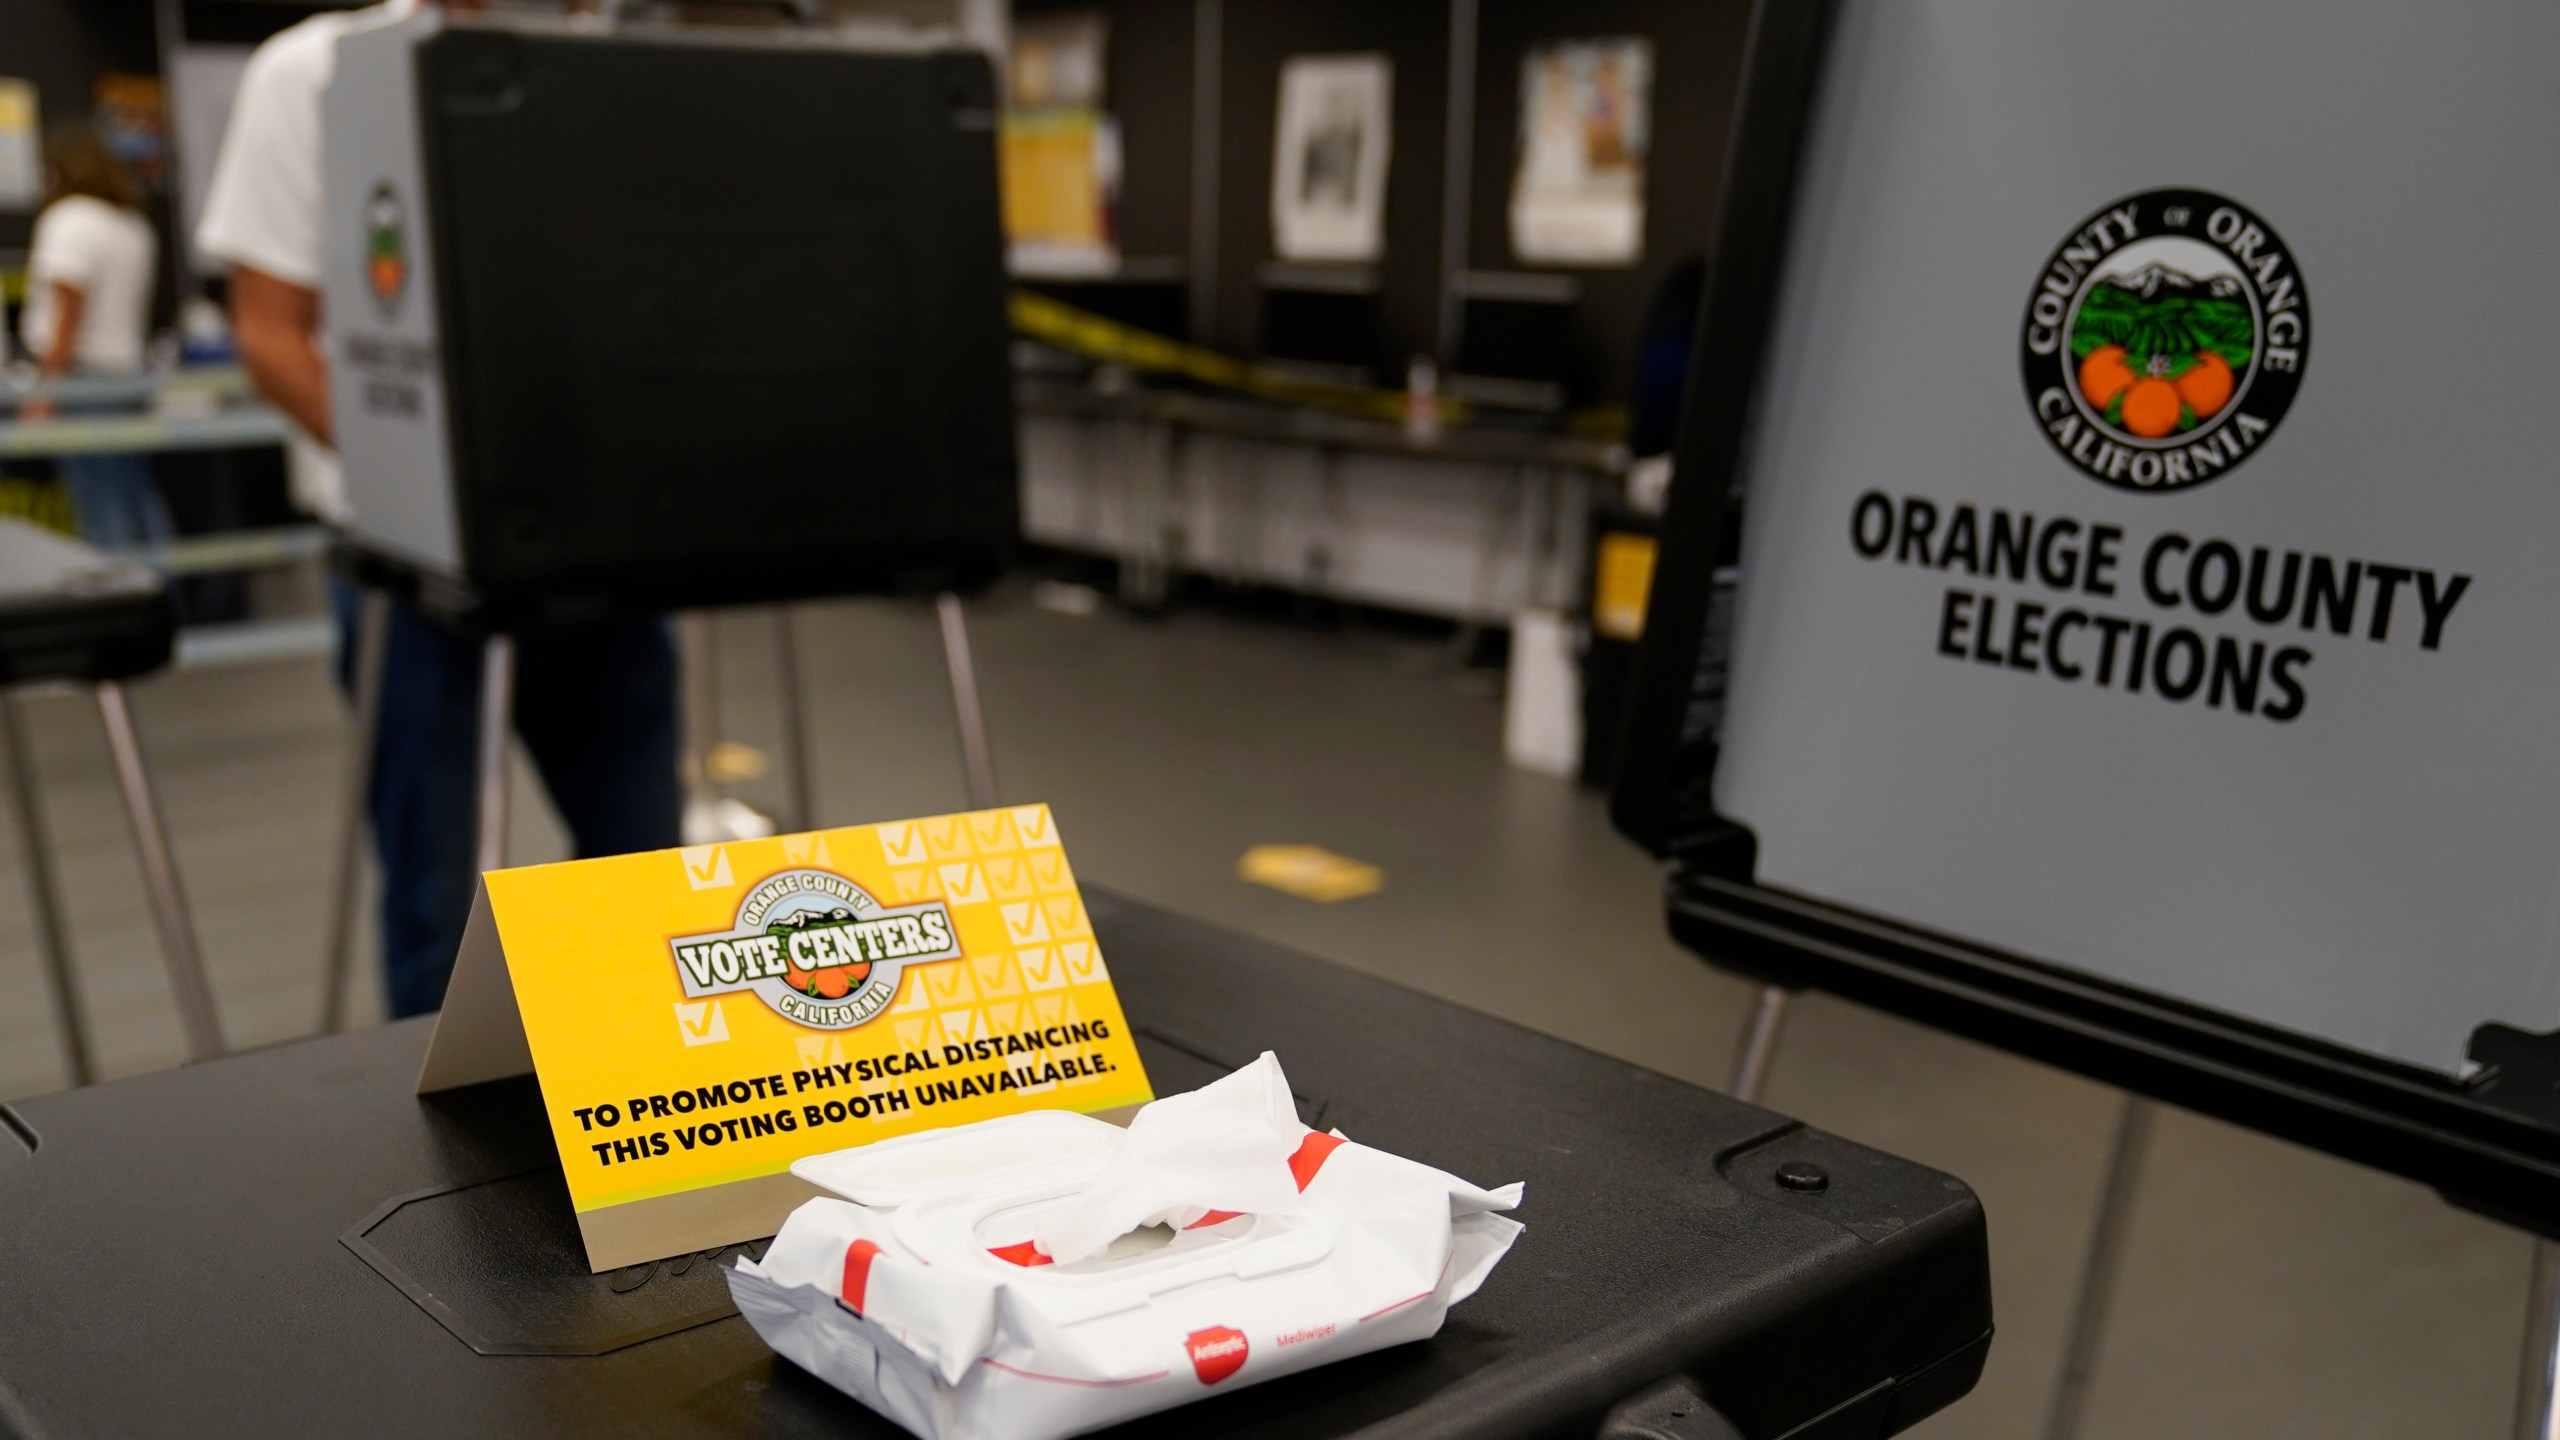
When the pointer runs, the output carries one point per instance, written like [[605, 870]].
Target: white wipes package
[[1047, 1274]]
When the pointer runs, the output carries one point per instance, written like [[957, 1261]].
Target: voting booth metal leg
[[160, 877], [2107, 1234], [2538, 1396], [44, 892], [497, 703], [1759, 1044], [976, 756], [795, 728], [373, 632]]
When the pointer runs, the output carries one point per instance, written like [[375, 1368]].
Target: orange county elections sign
[[700, 1018]]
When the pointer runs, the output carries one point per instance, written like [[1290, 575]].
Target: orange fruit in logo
[[2104, 375], [796, 979], [2151, 407], [2206, 387], [834, 984]]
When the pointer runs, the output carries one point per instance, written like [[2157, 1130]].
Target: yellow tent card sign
[[700, 1018]]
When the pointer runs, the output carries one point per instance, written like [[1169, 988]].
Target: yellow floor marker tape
[[1310, 872], [730, 762]]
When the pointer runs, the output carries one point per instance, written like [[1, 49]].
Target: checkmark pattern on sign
[[701, 1022], [706, 867], [1012, 861]]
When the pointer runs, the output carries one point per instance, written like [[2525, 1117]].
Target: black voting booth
[[1789, 563], [631, 319], [625, 318]]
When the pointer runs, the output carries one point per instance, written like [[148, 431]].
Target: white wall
[[1462, 540]]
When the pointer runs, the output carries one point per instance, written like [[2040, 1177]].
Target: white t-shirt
[[105, 252], [263, 208]]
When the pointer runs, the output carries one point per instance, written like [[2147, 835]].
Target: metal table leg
[[976, 756], [1759, 1043], [1171, 455], [795, 732], [1132, 452], [2538, 1396], [497, 704], [44, 890], [2098, 1275], [1508, 516], [373, 633], [1324, 561], [160, 877]]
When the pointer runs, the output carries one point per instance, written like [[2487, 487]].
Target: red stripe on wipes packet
[[1312, 1153], [857, 1271], [1025, 1253], [1216, 1217]]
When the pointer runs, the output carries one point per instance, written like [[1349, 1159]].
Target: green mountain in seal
[[2166, 315]]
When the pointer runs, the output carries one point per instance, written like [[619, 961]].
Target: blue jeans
[[118, 504], [596, 707]]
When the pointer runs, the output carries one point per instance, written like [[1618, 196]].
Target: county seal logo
[[386, 248], [2165, 339], [817, 948]]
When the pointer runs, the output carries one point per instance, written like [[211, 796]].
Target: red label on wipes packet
[[1216, 1352], [857, 1272]]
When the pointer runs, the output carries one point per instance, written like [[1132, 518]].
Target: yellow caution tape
[[1098, 338], [38, 502]]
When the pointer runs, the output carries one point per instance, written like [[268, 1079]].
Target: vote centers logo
[[2165, 339], [817, 948], [386, 248]]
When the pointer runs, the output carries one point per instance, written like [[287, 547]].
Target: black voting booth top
[[747, 348], [70, 611], [214, 1250]]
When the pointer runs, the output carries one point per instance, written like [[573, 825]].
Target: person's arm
[[277, 325], [70, 302]]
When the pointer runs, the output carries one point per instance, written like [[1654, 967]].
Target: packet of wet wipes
[[1040, 1275]]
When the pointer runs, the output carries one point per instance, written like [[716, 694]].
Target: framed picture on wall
[[1585, 123], [1329, 158]]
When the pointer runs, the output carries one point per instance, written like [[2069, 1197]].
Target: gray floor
[[2272, 1293]]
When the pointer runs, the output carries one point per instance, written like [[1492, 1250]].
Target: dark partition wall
[[1396, 307], [1147, 85], [1697, 57], [1259, 35], [63, 46]]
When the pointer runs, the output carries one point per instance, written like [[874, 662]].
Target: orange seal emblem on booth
[[386, 248], [2165, 339]]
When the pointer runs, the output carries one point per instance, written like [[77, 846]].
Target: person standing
[[89, 275], [595, 704]]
